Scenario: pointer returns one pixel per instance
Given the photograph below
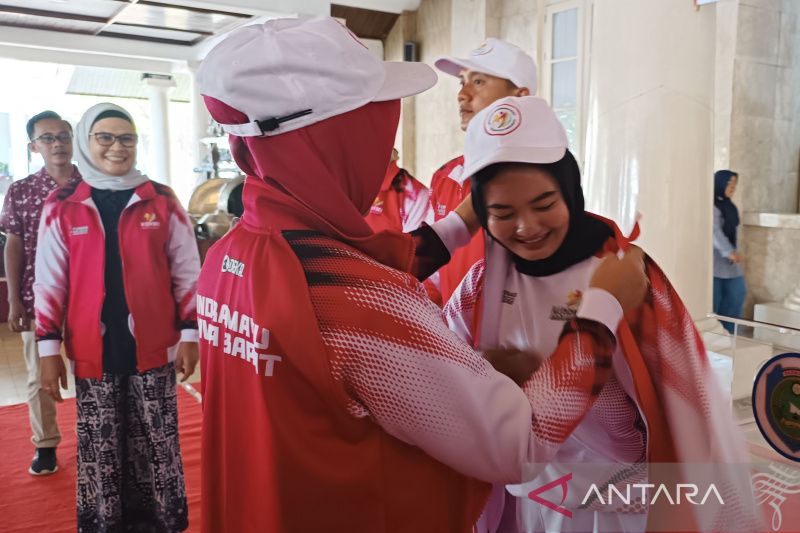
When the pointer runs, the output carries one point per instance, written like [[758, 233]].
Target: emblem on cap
[[485, 48], [502, 120], [776, 404]]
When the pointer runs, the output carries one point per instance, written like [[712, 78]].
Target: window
[[563, 69]]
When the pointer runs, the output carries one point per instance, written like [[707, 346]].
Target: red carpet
[[35, 504]]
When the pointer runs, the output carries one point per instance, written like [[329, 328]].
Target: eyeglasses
[[49, 138], [128, 140]]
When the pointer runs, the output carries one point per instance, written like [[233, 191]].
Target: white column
[[18, 150], [200, 121], [650, 138], [159, 86]]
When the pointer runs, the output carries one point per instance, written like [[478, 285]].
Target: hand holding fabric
[[623, 278]]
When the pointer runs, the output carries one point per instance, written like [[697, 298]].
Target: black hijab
[[730, 215], [586, 234]]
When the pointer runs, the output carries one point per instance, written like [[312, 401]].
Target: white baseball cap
[[286, 74], [514, 130], [496, 58]]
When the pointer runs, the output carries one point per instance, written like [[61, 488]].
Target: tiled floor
[[14, 376]]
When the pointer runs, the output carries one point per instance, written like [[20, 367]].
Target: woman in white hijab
[[116, 273]]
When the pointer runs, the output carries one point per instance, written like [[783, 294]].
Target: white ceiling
[[85, 49]]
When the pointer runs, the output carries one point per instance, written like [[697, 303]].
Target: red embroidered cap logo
[[503, 120]]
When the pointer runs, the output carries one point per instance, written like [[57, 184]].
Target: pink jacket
[[160, 269]]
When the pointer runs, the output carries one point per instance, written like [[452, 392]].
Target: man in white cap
[[495, 70], [334, 396]]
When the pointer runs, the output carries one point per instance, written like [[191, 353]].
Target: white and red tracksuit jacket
[[403, 211], [160, 269], [659, 363]]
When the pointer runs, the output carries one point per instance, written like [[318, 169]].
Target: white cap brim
[[515, 154], [454, 66], [405, 79]]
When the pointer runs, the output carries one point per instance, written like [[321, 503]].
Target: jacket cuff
[[453, 232], [600, 306], [49, 347], [189, 335]]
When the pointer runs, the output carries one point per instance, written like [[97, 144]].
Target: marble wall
[[764, 142], [665, 109], [520, 24], [450, 27], [403, 31], [765, 132], [771, 268], [650, 140], [438, 137]]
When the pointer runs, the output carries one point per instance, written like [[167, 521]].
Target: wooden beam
[[365, 23], [53, 40], [49, 14], [194, 9], [160, 40], [89, 59], [46, 28], [137, 25], [116, 15]]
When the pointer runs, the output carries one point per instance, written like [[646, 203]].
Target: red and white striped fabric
[[661, 364]]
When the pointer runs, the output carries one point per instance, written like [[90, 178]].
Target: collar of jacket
[[83, 192]]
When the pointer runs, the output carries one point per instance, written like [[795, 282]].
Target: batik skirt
[[130, 474]]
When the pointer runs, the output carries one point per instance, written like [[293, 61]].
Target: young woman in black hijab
[[729, 286], [660, 403]]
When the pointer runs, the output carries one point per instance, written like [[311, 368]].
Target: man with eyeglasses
[[494, 70], [51, 137]]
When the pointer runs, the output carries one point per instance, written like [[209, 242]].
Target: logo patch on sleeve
[[232, 266]]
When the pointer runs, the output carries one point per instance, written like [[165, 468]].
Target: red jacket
[[160, 269], [277, 391], [446, 194], [335, 398]]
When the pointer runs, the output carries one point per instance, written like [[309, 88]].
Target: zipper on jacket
[[124, 284], [96, 211]]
